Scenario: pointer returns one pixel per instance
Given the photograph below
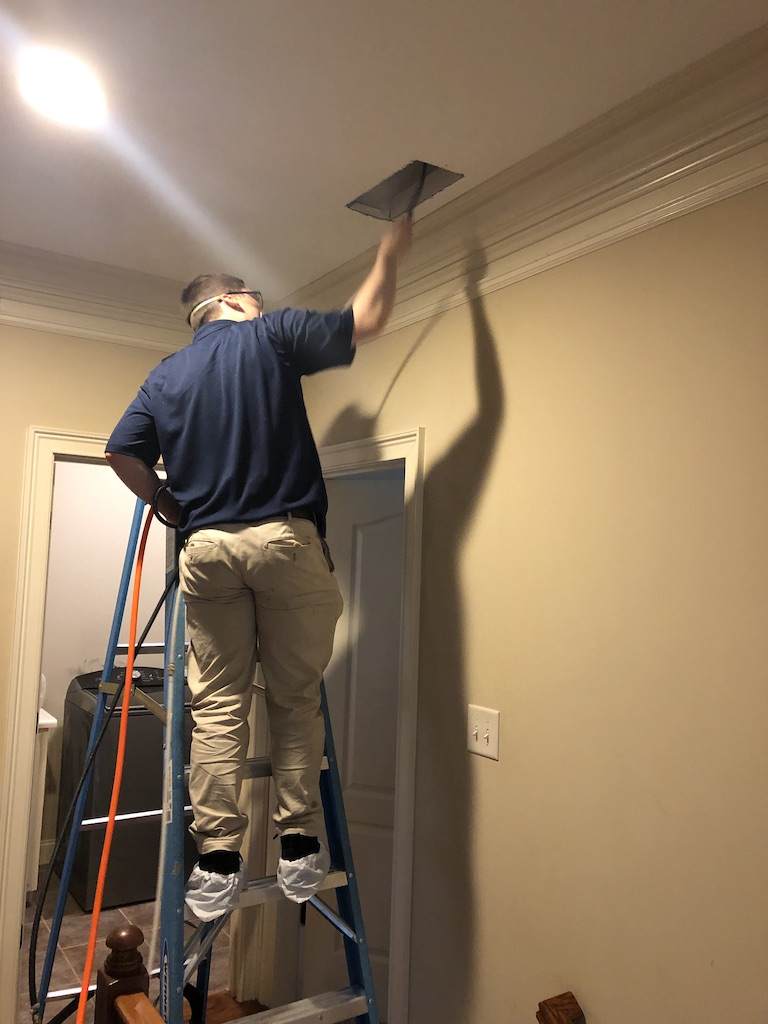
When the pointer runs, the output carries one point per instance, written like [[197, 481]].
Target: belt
[[298, 514]]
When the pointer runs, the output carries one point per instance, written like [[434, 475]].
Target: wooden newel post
[[123, 972]]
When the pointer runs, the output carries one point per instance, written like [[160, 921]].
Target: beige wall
[[596, 567], [51, 381]]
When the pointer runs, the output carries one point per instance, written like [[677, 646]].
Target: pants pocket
[[194, 550], [290, 538]]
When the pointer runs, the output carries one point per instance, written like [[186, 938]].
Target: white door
[[365, 533], [90, 523]]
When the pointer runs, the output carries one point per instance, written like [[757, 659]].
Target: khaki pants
[[268, 584]]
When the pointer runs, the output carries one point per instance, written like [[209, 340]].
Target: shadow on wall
[[444, 905]]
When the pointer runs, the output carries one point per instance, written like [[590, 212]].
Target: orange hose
[[119, 761]]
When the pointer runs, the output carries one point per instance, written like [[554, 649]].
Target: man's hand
[[398, 237], [169, 508]]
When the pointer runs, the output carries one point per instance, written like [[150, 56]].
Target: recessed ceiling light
[[61, 87]]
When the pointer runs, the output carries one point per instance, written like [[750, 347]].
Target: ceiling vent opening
[[402, 191]]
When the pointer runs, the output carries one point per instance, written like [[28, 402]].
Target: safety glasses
[[215, 298]]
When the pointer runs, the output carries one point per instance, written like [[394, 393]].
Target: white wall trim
[[339, 460], [694, 139], [65, 295], [36, 312], [44, 446], [358, 456]]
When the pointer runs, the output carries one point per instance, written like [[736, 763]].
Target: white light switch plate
[[483, 731]]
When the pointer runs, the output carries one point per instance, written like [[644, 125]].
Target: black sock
[[223, 862], [295, 846]]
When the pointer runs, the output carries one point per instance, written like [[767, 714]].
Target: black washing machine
[[133, 861]]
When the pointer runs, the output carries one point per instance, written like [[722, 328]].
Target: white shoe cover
[[301, 879], [209, 894]]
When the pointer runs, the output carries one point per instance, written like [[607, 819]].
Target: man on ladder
[[245, 489]]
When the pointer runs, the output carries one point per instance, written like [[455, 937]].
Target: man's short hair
[[205, 286]]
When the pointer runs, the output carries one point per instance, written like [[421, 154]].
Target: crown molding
[[84, 320], [62, 294], [691, 140]]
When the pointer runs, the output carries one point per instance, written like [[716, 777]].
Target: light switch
[[483, 731]]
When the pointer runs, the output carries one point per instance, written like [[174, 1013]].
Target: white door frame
[[354, 457], [44, 448]]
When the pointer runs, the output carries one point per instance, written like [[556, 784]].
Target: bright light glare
[[61, 87]]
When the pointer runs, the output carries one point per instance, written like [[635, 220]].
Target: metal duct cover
[[404, 190]]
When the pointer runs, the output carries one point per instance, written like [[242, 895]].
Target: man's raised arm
[[374, 300]]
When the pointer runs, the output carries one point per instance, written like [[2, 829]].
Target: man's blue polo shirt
[[227, 415]]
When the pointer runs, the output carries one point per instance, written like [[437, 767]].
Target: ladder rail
[[79, 812], [348, 897], [176, 966], [359, 999], [172, 898]]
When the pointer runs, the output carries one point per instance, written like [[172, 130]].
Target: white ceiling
[[244, 126]]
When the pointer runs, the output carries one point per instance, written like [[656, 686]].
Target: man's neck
[[234, 315]]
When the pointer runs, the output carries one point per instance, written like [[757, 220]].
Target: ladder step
[[328, 1008], [67, 993], [145, 649], [70, 993], [266, 890], [91, 824]]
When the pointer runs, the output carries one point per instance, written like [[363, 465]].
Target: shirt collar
[[208, 329]]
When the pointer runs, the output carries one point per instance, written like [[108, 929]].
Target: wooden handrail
[[137, 1009]]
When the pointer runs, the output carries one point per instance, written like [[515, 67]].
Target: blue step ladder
[[184, 968]]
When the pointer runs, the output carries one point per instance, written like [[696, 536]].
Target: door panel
[[366, 538]]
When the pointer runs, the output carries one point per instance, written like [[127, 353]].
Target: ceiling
[[241, 128]]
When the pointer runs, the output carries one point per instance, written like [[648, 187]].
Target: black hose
[[43, 892], [68, 1010]]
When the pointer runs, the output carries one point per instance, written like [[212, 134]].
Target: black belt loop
[[301, 514]]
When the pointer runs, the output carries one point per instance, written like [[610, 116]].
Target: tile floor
[[73, 941]]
